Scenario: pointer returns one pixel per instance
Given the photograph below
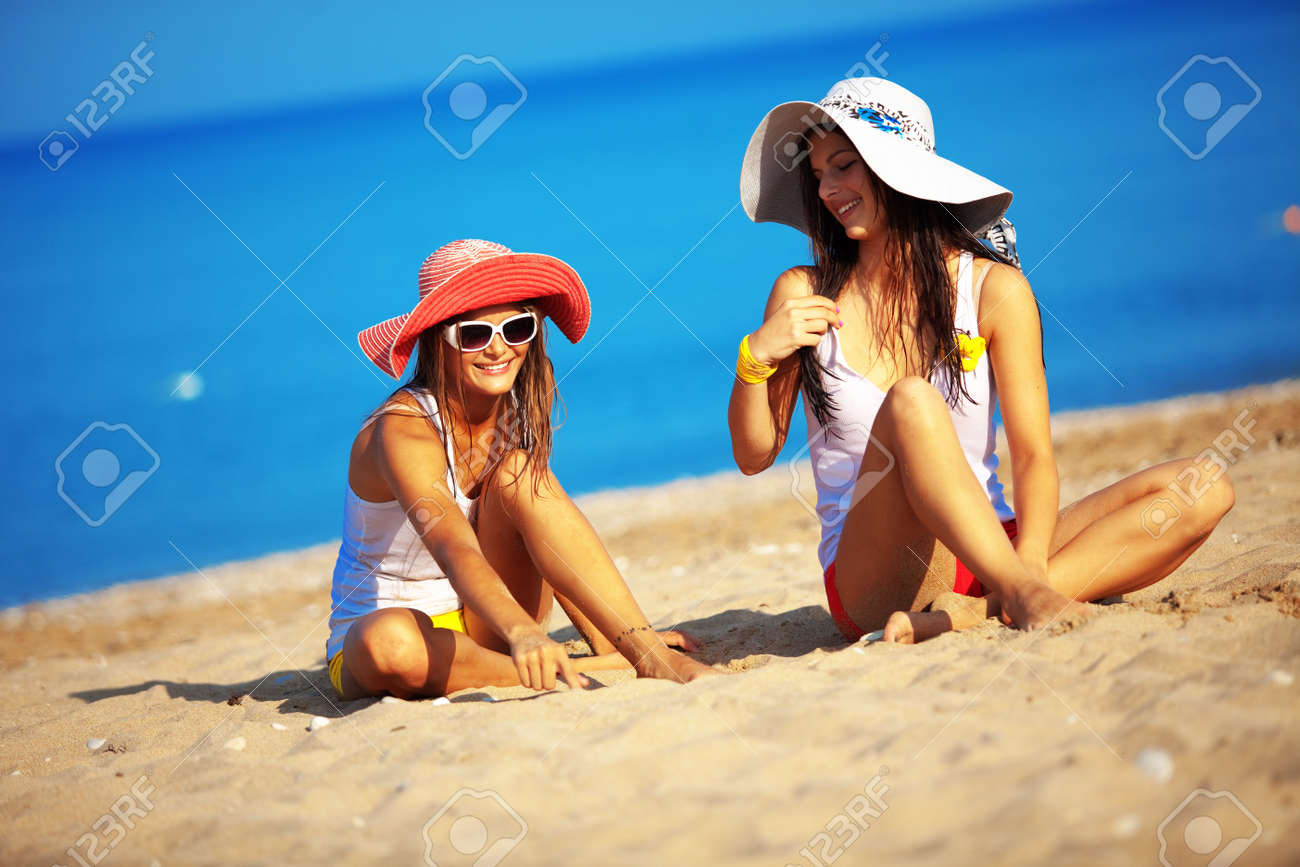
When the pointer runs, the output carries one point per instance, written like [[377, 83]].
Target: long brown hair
[[523, 420], [918, 289]]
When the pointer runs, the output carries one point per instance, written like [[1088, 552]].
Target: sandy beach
[[1165, 726]]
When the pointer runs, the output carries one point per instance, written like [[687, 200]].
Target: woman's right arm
[[409, 456], [759, 414]]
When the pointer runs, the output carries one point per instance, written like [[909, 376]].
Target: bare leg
[[1104, 545], [537, 539], [917, 501], [398, 651], [526, 535]]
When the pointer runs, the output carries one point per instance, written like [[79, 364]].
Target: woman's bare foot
[[657, 658], [678, 666], [948, 612], [675, 666], [1034, 605], [688, 669], [910, 627]]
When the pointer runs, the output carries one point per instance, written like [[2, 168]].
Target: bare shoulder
[[793, 282], [1004, 292], [401, 430]]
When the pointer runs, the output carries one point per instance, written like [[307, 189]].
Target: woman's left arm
[[1009, 321]]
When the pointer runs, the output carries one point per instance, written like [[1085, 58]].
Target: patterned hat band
[[890, 120], [892, 130]]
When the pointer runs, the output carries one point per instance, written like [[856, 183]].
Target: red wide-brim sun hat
[[469, 274]]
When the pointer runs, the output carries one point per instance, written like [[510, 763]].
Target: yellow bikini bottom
[[454, 620]]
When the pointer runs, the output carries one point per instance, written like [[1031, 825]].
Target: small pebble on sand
[[15, 773], [280, 727], [318, 722], [236, 743], [93, 744], [1280, 677], [1156, 764], [1126, 825], [1236, 540]]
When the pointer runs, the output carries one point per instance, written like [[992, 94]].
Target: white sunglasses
[[475, 335]]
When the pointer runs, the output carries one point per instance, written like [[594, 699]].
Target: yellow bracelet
[[750, 370]]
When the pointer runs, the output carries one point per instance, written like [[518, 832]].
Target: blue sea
[[153, 254]]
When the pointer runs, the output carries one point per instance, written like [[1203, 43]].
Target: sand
[[988, 746]]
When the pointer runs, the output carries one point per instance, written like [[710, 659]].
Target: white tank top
[[836, 460], [382, 561]]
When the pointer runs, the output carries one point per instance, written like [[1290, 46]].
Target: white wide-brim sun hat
[[891, 128]]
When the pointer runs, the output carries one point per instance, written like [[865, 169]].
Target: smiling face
[[844, 185], [490, 371]]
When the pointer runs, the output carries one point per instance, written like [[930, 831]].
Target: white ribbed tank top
[[382, 561], [836, 460]]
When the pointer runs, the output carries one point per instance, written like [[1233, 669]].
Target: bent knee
[[913, 390], [1210, 500], [914, 402], [514, 466], [390, 644], [518, 472], [1217, 501]]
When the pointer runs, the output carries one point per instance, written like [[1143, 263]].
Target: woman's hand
[[681, 640], [796, 323], [758, 416], [537, 659]]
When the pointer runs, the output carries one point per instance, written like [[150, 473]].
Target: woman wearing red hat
[[902, 337], [457, 536]]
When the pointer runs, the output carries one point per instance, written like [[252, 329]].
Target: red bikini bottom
[[964, 583]]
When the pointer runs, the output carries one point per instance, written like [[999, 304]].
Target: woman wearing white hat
[[902, 336], [457, 537]]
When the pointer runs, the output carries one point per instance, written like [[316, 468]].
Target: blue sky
[[230, 59]]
